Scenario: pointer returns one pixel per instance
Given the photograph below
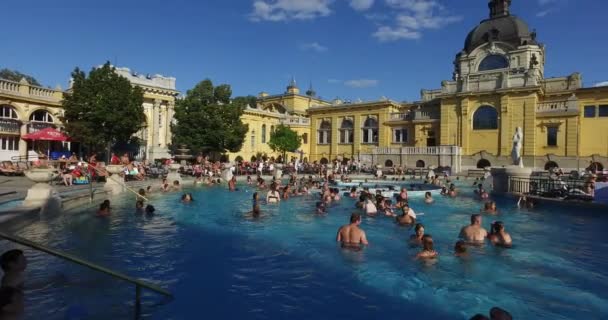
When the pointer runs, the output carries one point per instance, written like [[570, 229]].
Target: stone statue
[[516, 152]]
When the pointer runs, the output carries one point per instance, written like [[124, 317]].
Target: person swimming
[[407, 217], [490, 207], [187, 198], [452, 190], [351, 236], [353, 192], [150, 210], [444, 191], [428, 198], [417, 238], [104, 209], [498, 236], [428, 252], [460, 249], [139, 206], [474, 232], [320, 208]]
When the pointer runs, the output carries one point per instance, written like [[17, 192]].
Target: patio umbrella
[[46, 134]]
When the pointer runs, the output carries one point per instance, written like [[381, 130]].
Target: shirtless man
[[350, 235], [474, 232]]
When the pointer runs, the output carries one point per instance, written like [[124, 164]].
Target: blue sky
[[347, 48]]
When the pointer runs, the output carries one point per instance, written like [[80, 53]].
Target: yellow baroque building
[[497, 86], [25, 108]]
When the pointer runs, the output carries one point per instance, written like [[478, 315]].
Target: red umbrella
[[46, 134]]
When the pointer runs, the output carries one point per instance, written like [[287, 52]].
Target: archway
[[420, 164], [551, 165], [388, 163], [595, 167], [253, 159], [483, 163], [324, 161]]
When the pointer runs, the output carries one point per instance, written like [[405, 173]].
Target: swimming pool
[[287, 265]]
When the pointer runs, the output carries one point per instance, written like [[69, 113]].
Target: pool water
[[287, 264]]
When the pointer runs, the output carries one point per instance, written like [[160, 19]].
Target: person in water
[[417, 237], [460, 248], [150, 209], [452, 192], [176, 186], [403, 194], [187, 198], [498, 236], [407, 217], [11, 303], [444, 191], [104, 209], [370, 207], [139, 206], [428, 252], [273, 195], [474, 232], [490, 207], [13, 263], [232, 184], [350, 235], [428, 198], [353, 192], [321, 208]]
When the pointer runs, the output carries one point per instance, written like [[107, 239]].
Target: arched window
[[324, 161], [324, 132], [8, 112], [370, 130], [347, 134], [388, 163], [493, 62], [41, 116], [485, 118], [9, 119], [420, 164], [263, 133], [483, 163]]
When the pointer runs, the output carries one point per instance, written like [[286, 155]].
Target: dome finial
[[499, 8], [311, 92]]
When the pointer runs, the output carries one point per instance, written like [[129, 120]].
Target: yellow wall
[[593, 131]]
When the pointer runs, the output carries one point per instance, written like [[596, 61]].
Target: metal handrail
[[69, 257]]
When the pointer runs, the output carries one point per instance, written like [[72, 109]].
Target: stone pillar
[[23, 143], [465, 125], [506, 128], [155, 124], [168, 120]]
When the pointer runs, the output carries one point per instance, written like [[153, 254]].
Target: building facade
[[25, 109], [497, 86]]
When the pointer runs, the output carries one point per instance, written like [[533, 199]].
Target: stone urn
[[173, 174], [115, 184], [41, 193]]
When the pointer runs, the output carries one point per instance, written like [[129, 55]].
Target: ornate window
[[41, 116], [485, 118], [324, 132], [552, 136], [8, 112], [263, 133], [400, 135], [370, 130], [347, 133], [493, 62]]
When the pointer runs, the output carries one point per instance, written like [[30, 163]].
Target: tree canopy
[[284, 140], [208, 121], [103, 109], [16, 76]]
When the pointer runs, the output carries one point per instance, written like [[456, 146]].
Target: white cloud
[[601, 84], [361, 5], [543, 13], [334, 81], [548, 6], [361, 83], [412, 17], [313, 46], [387, 34], [546, 2], [282, 10]]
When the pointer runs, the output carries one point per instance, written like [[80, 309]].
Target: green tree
[[284, 140], [16, 76], [208, 121], [103, 109]]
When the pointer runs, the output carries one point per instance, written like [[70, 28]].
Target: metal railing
[[139, 284], [545, 186]]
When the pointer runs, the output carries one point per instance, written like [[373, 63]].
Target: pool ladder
[[139, 284]]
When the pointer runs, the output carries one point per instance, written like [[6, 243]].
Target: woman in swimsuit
[[273, 195]]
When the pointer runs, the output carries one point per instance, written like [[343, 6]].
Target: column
[[465, 126], [155, 123], [169, 118], [23, 143], [506, 129]]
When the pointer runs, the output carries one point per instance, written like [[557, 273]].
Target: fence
[[544, 186]]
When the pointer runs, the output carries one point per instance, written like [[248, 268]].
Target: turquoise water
[[287, 264]]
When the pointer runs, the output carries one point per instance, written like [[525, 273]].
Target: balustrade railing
[[439, 150], [25, 89], [10, 86], [9, 126], [415, 115]]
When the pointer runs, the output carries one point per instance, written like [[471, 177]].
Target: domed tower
[[502, 44], [292, 88], [311, 92]]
